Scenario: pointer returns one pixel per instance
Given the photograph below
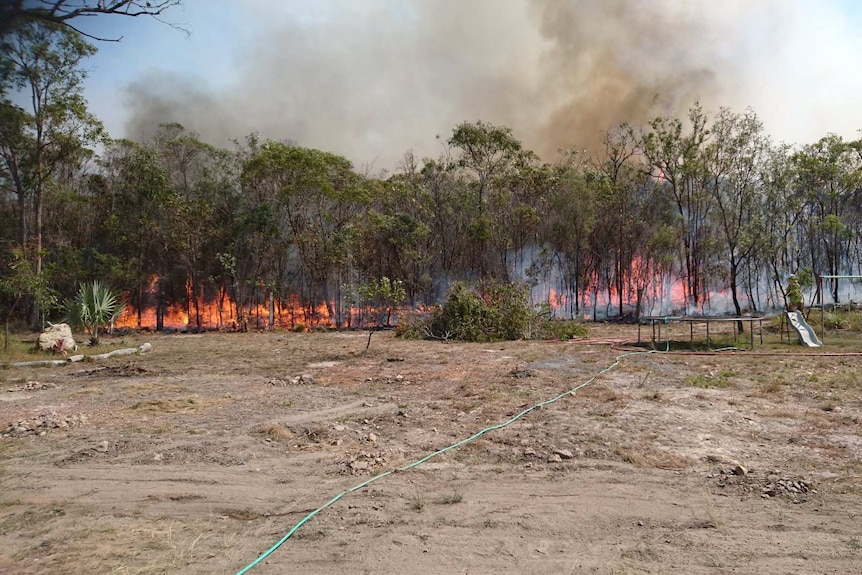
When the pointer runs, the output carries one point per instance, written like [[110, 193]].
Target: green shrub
[[562, 329], [835, 320], [499, 312]]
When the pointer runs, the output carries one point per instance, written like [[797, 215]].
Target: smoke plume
[[374, 79]]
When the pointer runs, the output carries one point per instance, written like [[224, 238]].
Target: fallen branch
[[76, 358]]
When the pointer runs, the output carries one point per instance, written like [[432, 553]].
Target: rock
[[358, 465], [59, 332], [307, 378], [103, 447], [564, 453], [339, 428], [554, 458], [740, 470], [529, 452], [158, 457], [372, 437], [399, 377]]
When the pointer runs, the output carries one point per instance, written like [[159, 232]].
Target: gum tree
[[41, 90]]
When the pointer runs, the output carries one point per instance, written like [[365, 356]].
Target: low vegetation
[[490, 312]]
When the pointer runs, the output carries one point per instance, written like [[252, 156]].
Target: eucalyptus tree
[[779, 250], [49, 124], [451, 212], [735, 157], [624, 196], [202, 209], [394, 232], [486, 152], [135, 202], [829, 176], [572, 215], [674, 153], [321, 195]]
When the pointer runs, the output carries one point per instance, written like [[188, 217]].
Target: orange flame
[[221, 312]]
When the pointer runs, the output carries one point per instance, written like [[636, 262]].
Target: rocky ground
[[200, 455]]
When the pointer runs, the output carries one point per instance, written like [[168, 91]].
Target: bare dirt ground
[[200, 455]]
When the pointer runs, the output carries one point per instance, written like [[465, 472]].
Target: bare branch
[[61, 12]]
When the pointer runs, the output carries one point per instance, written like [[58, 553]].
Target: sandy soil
[[200, 455]]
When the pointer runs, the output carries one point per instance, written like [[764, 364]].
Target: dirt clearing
[[200, 455]]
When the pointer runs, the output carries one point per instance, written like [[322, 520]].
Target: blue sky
[[794, 61]]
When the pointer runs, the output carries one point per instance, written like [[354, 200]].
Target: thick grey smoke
[[374, 79]]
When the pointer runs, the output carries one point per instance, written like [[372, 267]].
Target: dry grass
[[273, 431], [783, 398], [157, 387], [186, 404], [240, 514], [451, 498]]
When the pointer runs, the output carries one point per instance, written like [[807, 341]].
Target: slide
[[807, 337]]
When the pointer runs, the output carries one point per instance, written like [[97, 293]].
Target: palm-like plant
[[94, 308]]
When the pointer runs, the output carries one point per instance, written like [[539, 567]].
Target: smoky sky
[[374, 79]]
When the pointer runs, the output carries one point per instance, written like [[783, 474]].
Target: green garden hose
[[419, 462]]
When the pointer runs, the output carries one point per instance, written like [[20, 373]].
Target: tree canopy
[[691, 214]]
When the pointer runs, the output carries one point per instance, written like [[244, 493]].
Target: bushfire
[[220, 312]]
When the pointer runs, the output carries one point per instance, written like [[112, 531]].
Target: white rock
[[59, 331]]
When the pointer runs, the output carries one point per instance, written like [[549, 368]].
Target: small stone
[[339, 428], [336, 442], [358, 465], [740, 470], [158, 457], [399, 377], [62, 424], [555, 458], [372, 437], [640, 523], [564, 453], [103, 447], [43, 433], [529, 452], [307, 378]]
